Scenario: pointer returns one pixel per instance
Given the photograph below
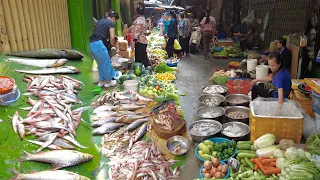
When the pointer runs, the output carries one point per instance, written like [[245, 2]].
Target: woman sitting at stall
[[281, 82]]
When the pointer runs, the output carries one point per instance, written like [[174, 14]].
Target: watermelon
[[131, 71], [136, 64], [124, 78], [138, 71], [132, 76]]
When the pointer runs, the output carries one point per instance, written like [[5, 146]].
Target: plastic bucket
[[130, 85], [251, 64], [262, 71]]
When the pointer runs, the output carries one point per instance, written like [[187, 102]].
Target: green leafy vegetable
[[313, 144], [265, 141], [291, 153], [162, 68]]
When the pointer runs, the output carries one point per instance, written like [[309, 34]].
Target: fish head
[[86, 157], [74, 69], [73, 55], [60, 62]]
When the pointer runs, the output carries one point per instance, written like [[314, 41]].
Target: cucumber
[[243, 146], [245, 151], [252, 148], [249, 163], [248, 155], [243, 163], [244, 142]]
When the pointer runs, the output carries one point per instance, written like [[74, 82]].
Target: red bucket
[[238, 87]]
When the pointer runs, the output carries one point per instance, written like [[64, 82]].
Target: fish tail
[[27, 156], [16, 173]]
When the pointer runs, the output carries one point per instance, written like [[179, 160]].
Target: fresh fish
[[107, 128], [74, 80], [136, 124], [103, 108], [51, 146], [58, 70], [141, 132], [49, 175], [44, 63], [49, 54], [128, 107], [103, 121], [26, 108], [59, 158], [63, 143], [73, 141], [130, 118], [81, 109], [49, 141], [20, 127], [15, 121]]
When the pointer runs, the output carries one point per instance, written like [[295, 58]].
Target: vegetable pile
[[313, 144], [213, 169], [167, 77], [208, 150], [162, 68]]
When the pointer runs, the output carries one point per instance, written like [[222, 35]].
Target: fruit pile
[[234, 65], [222, 150], [167, 77]]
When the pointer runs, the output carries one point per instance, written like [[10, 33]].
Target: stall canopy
[[158, 6]]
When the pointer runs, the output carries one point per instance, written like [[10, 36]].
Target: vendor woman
[[281, 82]]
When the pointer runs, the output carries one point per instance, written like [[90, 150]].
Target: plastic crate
[[315, 102], [281, 127]]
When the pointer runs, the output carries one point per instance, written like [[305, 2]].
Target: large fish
[[136, 124], [49, 175], [107, 128], [49, 54], [44, 63], [58, 70], [59, 158]]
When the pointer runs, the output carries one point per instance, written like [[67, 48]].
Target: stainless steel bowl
[[219, 98], [175, 141], [231, 97], [219, 112], [224, 87], [243, 126], [236, 108], [202, 138]]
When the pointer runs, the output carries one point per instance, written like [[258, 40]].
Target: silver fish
[[15, 121], [82, 109], [107, 128], [49, 175], [73, 141], [141, 132], [59, 158], [58, 70], [49, 141], [128, 107], [20, 127], [51, 146], [62, 143], [136, 124], [43, 63], [103, 121]]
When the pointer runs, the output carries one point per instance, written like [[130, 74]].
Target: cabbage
[[313, 144], [264, 141], [291, 153], [280, 162], [278, 153], [267, 151], [308, 155], [301, 153]]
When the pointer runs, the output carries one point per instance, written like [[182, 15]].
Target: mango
[[206, 157], [205, 150], [210, 147], [200, 153], [201, 145], [208, 142]]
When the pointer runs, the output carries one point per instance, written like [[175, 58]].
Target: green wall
[[115, 5], [81, 23]]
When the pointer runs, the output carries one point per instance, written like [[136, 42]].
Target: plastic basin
[[215, 140], [238, 87], [226, 177]]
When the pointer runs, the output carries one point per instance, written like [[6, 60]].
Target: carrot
[[268, 161], [256, 167], [253, 160], [271, 170], [262, 158], [273, 164], [259, 164]]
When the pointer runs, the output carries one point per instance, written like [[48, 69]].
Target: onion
[[213, 171], [206, 175], [219, 175], [207, 165], [204, 170], [215, 162], [219, 168], [224, 168]]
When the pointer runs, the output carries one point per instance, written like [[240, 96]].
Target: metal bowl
[[219, 112], [224, 87], [236, 108], [202, 138], [231, 97], [302, 89], [219, 97], [175, 141], [243, 126]]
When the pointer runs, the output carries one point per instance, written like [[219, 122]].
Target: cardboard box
[[124, 54]]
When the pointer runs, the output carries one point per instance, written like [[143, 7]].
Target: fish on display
[[141, 132], [58, 70], [43, 63], [107, 128], [59, 158], [136, 124], [49, 175], [49, 54], [103, 121]]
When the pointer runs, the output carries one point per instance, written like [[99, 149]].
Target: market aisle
[[194, 74]]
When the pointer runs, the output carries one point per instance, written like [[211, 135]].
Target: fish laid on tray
[[43, 63], [57, 70], [49, 175], [51, 117], [59, 158], [49, 54]]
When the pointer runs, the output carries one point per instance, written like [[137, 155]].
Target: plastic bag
[[250, 18], [117, 60]]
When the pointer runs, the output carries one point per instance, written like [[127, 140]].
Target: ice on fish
[[204, 129], [233, 131]]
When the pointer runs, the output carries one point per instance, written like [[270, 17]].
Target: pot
[[202, 138], [244, 127], [218, 97], [217, 111], [231, 97], [236, 108]]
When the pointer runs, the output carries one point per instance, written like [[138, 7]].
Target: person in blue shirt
[[172, 33], [281, 81], [166, 23]]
